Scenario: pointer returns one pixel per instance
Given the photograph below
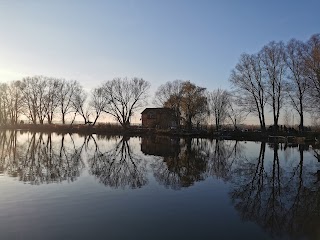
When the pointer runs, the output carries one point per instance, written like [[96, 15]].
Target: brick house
[[158, 118]]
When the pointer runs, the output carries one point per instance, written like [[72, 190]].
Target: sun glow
[[9, 75]]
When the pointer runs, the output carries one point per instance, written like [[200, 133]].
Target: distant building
[[158, 118]]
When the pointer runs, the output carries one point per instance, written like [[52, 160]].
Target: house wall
[[147, 122], [157, 120]]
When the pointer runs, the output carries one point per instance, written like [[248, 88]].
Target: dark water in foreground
[[91, 187]]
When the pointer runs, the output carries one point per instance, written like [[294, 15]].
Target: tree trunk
[[301, 117], [95, 120], [63, 119], [74, 117]]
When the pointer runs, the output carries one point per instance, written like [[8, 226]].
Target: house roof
[[168, 110]]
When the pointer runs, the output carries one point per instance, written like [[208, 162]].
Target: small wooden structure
[[163, 118]]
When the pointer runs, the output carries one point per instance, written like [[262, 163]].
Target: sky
[[94, 41]]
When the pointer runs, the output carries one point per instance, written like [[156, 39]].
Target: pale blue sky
[[93, 41]]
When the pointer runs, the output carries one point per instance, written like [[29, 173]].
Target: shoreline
[[109, 129]]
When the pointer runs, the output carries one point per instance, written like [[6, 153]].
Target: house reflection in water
[[160, 146]]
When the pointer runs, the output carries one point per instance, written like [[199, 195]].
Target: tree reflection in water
[[282, 197], [316, 151], [119, 166], [194, 160], [40, 160], [277, 190], [222, 156], [182, 169]]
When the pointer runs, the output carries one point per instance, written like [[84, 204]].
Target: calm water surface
[[93, 187]]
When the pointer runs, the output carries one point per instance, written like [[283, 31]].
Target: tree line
[[42, 99], [280, 74]]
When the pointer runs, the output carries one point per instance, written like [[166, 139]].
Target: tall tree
[[66, 93], [51, 100], [78, 104], [187, 100], [124, 97], [98, 102], [312, 69], [235, 113], [15, 101], [193, 102], [273, 58], [33, 93], [3, 104], [170, 95], [218, 103], [297, 86], [250, 87]]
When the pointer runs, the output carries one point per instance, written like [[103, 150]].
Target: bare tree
[[3, 104], [12, 98], [39, 98], [273, 57], [33, 94], [78, 104], [40, 86], [10, 103], [66, 93], [51, 100], [166, 91], [98, 103], [297, 86], [218, 102], [312, 69], [287, 118], [124, 97], [170, 95], [315, 121], [235, 114], [250, 87]]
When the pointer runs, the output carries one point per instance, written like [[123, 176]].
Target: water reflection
[[282, 197], [277, 186], [180, 167], [316, 151], [118, 166], [38, 159], [189, 160], [160, 146], [222, 156]]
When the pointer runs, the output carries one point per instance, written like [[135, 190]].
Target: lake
[[102, 187]]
